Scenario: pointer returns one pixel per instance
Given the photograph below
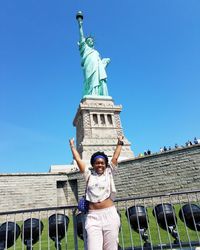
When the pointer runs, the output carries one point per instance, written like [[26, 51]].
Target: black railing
[[165, 221]]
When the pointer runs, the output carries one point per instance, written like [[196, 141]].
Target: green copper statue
[[95, 77]]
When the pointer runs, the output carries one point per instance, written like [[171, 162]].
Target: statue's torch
[[79, 17]]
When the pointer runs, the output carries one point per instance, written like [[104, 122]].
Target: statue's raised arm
[[95, 77], [79, 18]]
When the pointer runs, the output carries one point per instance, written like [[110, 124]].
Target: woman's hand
[[120, 140], [81, 164], [118, 149], [71, 143]]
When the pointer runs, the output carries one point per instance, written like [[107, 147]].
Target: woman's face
[[99, 165]]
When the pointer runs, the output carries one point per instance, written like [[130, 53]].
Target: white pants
[[102, 226]]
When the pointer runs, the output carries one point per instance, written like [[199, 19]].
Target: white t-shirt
[[100, 187]]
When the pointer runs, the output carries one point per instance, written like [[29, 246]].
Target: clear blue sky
[[154, 73]]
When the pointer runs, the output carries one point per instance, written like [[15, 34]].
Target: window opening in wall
[[95, 119], [73, 191], [110, 119], [102, 118], [61, 193], [61, 184]]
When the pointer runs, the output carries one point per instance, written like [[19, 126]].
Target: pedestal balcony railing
[[165, 221]]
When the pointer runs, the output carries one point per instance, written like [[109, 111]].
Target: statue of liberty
[[95, 77]]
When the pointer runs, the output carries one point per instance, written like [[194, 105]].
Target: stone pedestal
[[98, 125]]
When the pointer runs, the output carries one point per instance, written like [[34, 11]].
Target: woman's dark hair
[[92, 160]]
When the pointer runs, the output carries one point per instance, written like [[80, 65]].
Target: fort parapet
[[175, 170]]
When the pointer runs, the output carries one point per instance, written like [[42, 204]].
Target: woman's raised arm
[[118, 149], [81, 164]]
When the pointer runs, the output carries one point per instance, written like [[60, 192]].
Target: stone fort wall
[[170, 171]]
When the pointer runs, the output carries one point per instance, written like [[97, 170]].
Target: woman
[[102, 221]]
